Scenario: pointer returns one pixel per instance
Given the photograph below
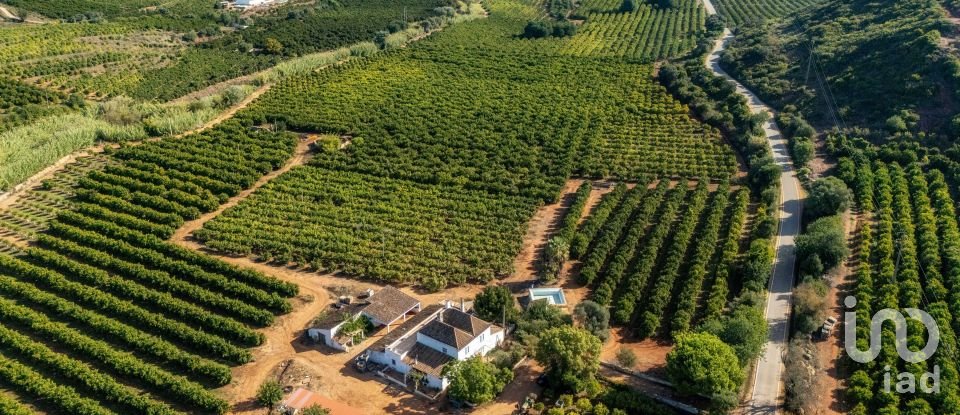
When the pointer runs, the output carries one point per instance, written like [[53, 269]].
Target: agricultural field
[[111, 9], [372, 227], [738, 12], [33, 210], [638, 253], [646, 34], [164, 54], [104, 58], [535, 117], [20, 103], [907, 258], [27, 149], [107, 59], [332, 24], [100, 314], [50, 73]]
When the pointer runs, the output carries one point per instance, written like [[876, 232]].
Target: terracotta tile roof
[[389, 304], [463, 321], [454, 328], [302, 398], [411, 323], [427, 360]]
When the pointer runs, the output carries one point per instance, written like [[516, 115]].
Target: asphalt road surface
[[768, 378]]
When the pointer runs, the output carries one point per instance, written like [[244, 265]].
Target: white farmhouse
[[440, 334], [246, 4]]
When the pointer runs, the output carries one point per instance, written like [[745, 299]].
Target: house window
[[394, 361], [444, 350], [468, 349]]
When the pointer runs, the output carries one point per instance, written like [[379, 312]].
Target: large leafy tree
[[539, 317], [744, 329], [701, 363], [476, 381], [571, 357], [823, 243], [495, 302], [270, 393], [593, 317], [828, 196]]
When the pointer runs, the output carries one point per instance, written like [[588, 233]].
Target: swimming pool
[[552, 295]]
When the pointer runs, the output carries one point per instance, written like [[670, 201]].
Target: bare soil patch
[[828, 390], [651, 353], [543, 224]]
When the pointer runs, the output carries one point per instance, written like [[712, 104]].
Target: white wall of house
[[437, 382], [328, 336], [251, 3], [481, 345], [390, 358]]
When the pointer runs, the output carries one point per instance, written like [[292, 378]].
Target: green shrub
[[270, 393]]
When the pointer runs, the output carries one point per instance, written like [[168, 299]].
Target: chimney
[[448, 304], [463, 306]]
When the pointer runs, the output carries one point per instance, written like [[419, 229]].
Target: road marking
[[770, 365]]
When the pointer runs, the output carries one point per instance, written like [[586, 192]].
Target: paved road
[[768, 379]]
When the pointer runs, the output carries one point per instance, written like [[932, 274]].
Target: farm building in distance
[[246, 4]]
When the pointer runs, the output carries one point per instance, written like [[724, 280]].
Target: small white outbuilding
[[245, 4]]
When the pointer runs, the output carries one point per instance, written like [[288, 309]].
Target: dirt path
[[182, 235], [230, 112], [541, 226], [828, 390]]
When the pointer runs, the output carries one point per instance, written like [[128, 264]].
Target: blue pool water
[[552, 295]]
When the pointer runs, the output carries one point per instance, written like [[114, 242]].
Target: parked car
[[826, 329]]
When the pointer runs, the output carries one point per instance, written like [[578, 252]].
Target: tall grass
[[176, 120], [28, 149], [307, 63]]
